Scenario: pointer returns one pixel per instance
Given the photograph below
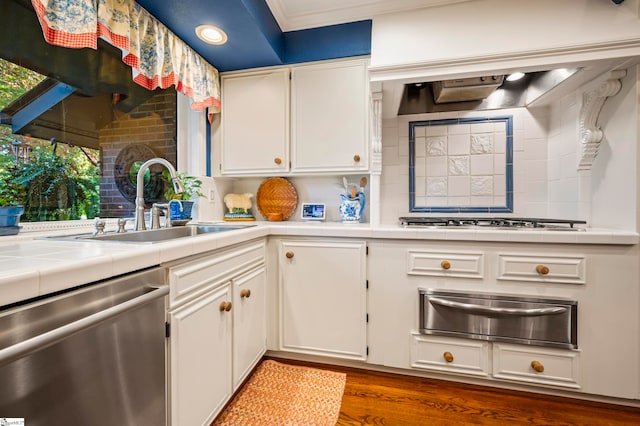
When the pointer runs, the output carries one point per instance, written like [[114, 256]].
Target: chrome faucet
[[139, 223]]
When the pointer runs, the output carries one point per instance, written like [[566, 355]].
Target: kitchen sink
[[152, 236]]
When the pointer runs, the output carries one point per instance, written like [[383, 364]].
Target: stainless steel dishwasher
[[90, 356]]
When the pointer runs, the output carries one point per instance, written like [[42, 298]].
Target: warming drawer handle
[[479, 309], [51, 337]]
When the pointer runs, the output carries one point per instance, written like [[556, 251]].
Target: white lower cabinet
[[323, 298], [249, 323], [217, 329], [518, 363], [200, 358]]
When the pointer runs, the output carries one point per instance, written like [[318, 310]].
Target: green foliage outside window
[[11, 192], [51, 187]]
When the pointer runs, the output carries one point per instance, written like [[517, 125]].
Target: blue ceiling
[[255, 38]]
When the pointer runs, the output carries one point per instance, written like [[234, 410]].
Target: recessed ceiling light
[[211, 34], [515, 76]]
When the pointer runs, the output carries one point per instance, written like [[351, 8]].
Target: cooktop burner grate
[[494, 222]]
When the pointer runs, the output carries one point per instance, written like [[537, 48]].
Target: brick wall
[[152, 124]]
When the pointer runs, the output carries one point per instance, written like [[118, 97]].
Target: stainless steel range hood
[[479, 93], [465, 89]]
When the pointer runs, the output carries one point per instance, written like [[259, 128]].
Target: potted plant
[[181, 210], [11, 200]]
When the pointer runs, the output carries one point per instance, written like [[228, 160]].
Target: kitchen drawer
[[542, 268], [189, 279], [556, 367], [445, 264], [451, 355]]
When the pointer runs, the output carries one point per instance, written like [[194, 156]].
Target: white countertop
[[32, 267]]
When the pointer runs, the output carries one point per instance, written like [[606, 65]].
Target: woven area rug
[[286, 395]]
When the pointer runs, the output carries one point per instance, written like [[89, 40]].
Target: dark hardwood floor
[[374, 398]]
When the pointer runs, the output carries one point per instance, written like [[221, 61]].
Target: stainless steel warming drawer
[[497, 317]]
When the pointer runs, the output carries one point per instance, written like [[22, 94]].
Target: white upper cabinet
[[309, 119], [255, 123], [329, 110]]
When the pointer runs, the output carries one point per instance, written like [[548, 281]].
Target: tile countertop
[[32, 267]]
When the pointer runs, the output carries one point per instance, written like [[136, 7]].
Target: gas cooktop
[[494, 222]]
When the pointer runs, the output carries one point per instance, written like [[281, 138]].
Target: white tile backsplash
[[459, 186], [481, 186], [436, 187], [436, 166], [483, 165], [458, 144], [390, 155], [482, 143], [421, 147], [482, 128], [489, 186], [390, 134], [436, 146], [435, 130], [459, 129], [420, 167], [500, 143], [459, 165]]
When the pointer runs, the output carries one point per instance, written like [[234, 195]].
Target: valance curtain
[[157, 57]]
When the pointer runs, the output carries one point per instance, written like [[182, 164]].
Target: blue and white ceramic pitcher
[[351, 208]]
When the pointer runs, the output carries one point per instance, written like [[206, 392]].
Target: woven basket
[[276, 196]]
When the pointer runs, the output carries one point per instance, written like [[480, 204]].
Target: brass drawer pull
[[245, 292], [225, 306], [356, 158], [289, 255], [537, 366], [448, 356], [277, 160], [542, 270], [445, 264]]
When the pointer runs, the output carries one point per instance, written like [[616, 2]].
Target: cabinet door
[[323, 298], [330, 117], [255, 123], [200, 348], [249, 322]]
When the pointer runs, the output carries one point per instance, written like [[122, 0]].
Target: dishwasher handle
[[44, 340], [479, 309]]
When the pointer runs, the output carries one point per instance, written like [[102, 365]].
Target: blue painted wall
[[336, 41]]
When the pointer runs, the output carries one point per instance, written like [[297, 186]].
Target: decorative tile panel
[[461, 165]]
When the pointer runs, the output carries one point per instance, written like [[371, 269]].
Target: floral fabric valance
[[157, 57]]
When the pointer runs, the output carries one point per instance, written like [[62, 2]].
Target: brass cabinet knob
[[448, 356], [289, 254], [542, 270], [537, 366], [225, 306], [445, 264], [356, 158], [245, 292], [277, 160]]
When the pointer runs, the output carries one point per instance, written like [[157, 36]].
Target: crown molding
[[335, 12]]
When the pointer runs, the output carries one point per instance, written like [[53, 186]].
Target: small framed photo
[[313, 211]]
